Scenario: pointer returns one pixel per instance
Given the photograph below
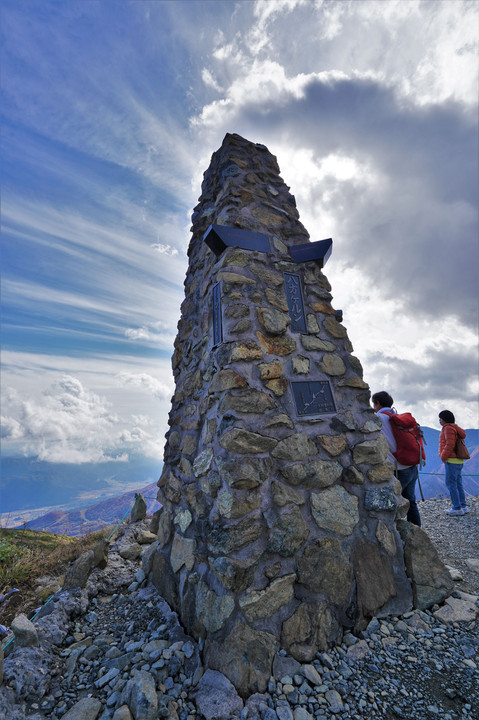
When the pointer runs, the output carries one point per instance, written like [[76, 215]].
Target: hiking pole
[[420, 488]]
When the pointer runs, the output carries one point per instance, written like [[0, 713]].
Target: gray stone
[[285, 665], [372, 452], [243, 441], [380, 499], [332, 364], [288, 533], [358, 651], [140, 696], [300, 365], [472, 564], [78, 574], [165, 528], [311, 343], [284, 712], [431, 581], [122, 713], [294, 447], [235, 575], [374, 578], [138, 511], [87, 708], [283, 495], [273, 321], [311, 674], [145, 537], [300, 713], [335, 509], [386, 538], [224, 538], [265, 603], [325, 569], [216, 697], [245, 655], [106, 678], [244, 474], [182, 552], [131, 551], [212, 609], [457, 610], [334, 328], [334, 700], [247, 401], [235, 505], [202, 462], [25, 632], [310, 628], [323, 473], [183, 519]]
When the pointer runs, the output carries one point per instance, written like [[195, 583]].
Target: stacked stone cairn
[[279, 528]]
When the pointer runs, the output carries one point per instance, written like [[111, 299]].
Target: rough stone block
[[25, 632], [265, 603], [431, 581], [245, 656], [335, 509]]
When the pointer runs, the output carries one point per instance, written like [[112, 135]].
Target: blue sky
[[111, 111]]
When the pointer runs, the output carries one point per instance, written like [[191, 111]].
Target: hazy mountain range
[[73, 499]]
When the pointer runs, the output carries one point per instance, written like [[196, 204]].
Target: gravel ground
[[455, 537], [414, 667]]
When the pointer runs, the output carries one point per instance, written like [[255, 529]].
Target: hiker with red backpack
[[453, 452], [405, 440]]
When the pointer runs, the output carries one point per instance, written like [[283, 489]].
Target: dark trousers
[[407, 477]]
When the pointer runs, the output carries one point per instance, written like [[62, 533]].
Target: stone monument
[[279, 520]]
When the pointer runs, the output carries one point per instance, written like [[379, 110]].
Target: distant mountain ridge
[[30, 487], [76, 481], [95, 517]]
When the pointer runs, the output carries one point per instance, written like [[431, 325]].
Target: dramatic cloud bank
[[111, 114]]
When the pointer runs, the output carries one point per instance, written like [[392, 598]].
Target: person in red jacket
[[453, 465]]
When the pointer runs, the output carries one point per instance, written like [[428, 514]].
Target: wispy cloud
[[110, 122]]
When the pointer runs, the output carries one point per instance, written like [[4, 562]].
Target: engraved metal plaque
[[219, 237], [294, 298], [313, 398], [217, 322], [318, 251]]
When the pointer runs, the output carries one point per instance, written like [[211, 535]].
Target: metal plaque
[[318, 251], [219, 237], [313, 398], [217, 322], [294, 298]]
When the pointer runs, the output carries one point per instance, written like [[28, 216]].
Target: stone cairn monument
[[279, 526]]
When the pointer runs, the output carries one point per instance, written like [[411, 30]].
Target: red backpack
[[409, 439]]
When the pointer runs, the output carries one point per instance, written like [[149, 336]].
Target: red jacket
[[447, 440]]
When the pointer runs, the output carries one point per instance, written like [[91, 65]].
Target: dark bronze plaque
[[294, 297], [219, 237], [217, 324], [318, 251], [313, 398]]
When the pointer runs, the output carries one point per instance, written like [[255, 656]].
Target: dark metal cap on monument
[[318, 251], [219, 237]]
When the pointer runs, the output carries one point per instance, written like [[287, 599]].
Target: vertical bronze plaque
[[217, 322], [294, 298], [313, 398]]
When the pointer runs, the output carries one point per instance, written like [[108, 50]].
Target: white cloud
[[147, 383], [370, 109], [71, 424], [164, 249]]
